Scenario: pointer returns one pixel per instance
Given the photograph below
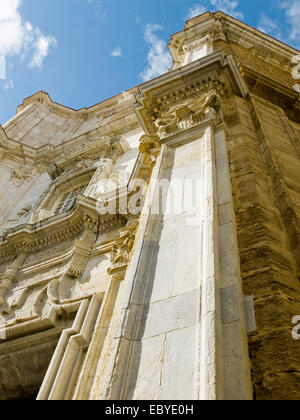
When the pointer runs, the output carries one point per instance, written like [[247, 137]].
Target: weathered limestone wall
[[175, 327], [19, 198], [265, 168], [158, 306]]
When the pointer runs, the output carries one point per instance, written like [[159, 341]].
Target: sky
[[85, 51]]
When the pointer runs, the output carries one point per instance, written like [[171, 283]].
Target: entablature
[[188, 93]]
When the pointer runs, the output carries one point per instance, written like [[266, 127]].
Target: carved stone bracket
[[185, 116], [7, 279], [150, 149], [121, 250], [59, 289], [83, 247], [22, 175], [187, 106]]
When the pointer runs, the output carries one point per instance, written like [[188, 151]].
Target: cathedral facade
[[150, 245]]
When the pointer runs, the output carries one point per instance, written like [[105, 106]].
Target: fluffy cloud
[[226, 6], [20, 38], [292, 14], [196, 10], [158, 58], [9, 84], [117, 52]]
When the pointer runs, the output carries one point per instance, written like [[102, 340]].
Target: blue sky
[[84, 51]]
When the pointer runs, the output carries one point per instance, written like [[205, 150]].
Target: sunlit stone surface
[[186, 287]]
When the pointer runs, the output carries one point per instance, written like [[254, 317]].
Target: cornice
[[203, 23], [32, 237], [271, 90], [221, 27], [98, 148], [17, 151], [215, 72], [114, 104]]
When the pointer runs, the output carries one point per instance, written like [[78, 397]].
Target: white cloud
[[100, 7], [196, 10], [158, 58], [269, 26], [20, 38], [9, 84], [117, 52], [42, 45], [292, 14], [2, 67], [226, 6]]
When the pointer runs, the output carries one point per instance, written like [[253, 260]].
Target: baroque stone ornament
[[21, 175], [150, 148], [96, 304], [121, 250], [7, 279], [183, 117]]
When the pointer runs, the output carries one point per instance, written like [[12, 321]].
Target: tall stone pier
[[149, 245]]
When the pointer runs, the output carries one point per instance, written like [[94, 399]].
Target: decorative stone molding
[[168, 113], [195, 44], [111, 221], [100, 148], [163, 105], [52, 231]]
